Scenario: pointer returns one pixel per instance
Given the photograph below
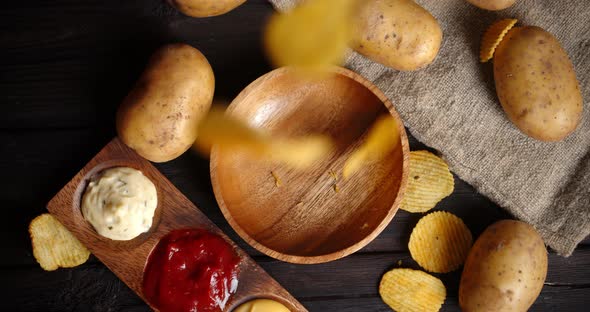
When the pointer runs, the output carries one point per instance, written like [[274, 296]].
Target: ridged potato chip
[[54, 246], [429, 181], [407, 290], [440, 242], [313, 35], [492, 38], [222, 130], [381, 140]]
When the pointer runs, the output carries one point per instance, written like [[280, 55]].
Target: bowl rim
[[335, 255]]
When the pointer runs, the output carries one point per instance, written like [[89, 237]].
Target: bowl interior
[[314, 212]]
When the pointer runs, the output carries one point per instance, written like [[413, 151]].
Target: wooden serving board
[[127, 258]]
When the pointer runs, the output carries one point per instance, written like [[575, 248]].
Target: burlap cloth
[[452, 106]]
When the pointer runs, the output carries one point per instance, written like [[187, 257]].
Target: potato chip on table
[[493, 37], [429, 181], [407, 290], [54, 246], [440, 242]]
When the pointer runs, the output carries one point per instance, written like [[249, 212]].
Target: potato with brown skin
[[205, 8], [505, 269], [160, 116], [397, 33], [536, 84], [492, 5]]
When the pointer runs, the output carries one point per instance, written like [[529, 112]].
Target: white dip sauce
[[120, 203]]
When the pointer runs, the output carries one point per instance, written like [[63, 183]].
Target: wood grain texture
[[39, 166], [36, 164], [348, 284], [79, 60], [315, 215], [64, 68], [127, 258]]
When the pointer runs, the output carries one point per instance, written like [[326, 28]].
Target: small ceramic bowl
[[314, 215]]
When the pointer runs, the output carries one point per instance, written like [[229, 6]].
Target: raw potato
[[536, 84], [397, 33], [160, 116], [205, 8], [505, 269], [492, 5]]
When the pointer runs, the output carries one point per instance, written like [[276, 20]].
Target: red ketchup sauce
[[191, 270]]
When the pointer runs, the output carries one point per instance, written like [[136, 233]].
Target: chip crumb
[[399, 262], [366, 225], [278, 181], [334, 175], [336, 188]]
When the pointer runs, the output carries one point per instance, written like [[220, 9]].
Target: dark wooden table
[[64, 68]]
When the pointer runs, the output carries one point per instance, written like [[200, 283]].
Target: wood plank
[[75, 72], [69, 65], [551, 299], [58, 154], [86, 288], [360, 274], [36, 172], [348, 284]]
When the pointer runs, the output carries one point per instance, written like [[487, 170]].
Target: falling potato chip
[[440, 242], [299, 152], [312, 36], [407, 290], [224, 131], [54, 246], [429, 181], [381, 140], [218, 128], [493, 37]]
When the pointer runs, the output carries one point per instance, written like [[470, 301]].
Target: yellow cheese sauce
[[261, 305], [120, 203]]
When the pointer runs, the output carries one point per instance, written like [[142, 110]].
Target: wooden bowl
[[307, 219]]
